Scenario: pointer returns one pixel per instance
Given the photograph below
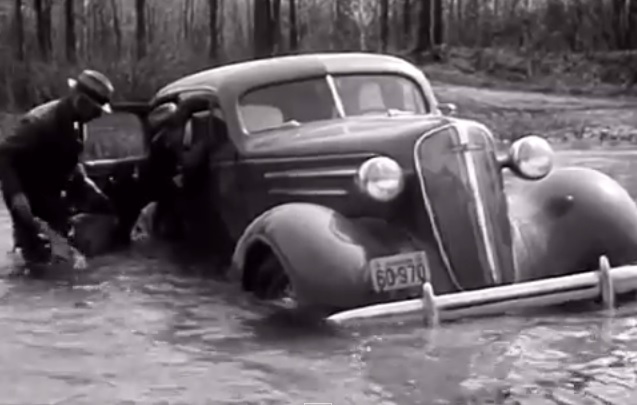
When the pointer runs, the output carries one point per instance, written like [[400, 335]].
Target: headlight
[[531, 157], [381, 178]]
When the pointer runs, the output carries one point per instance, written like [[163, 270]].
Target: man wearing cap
[[40, 162]]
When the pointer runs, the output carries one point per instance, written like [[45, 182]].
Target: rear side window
[[113, 136]]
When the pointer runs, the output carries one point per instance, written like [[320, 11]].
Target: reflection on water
[[141, 329]]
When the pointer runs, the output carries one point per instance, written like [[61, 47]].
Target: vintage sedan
[[340, 180]]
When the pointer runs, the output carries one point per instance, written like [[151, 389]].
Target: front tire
[[272, 283]]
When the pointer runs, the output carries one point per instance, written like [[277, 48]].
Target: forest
[[144, 44]]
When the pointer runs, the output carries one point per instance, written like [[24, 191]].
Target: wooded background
[[144, 44]]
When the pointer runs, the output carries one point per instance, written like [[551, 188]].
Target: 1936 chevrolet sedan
[[338, 178]]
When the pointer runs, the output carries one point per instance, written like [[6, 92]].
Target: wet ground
[[141, 330]]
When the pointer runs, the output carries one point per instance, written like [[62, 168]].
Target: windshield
[[308, 100]]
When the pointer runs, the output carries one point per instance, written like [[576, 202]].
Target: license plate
[[400, 271]]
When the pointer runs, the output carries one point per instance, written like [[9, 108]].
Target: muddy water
[[141, 329]]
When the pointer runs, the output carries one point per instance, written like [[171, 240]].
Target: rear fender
[[324, 254], [563, 223]]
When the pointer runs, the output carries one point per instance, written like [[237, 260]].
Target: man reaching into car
[[40, 162]]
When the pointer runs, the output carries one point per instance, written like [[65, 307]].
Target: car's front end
[[423, 197], [450, 197]]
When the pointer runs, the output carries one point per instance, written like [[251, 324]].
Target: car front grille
[[462, 192]]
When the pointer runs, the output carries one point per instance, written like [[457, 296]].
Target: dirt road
[[515, 113]]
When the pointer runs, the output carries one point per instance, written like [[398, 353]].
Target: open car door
[[115, 155]]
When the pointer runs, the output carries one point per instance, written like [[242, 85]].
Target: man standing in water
[[41, 161]]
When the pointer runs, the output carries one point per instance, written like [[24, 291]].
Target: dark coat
[[43, 155]]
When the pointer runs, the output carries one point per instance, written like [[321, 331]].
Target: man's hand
[[20, 203], [104, 204], [79, 260], [98, 199]]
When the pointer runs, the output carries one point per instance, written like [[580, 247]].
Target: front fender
[[324, 253], [563, 223]]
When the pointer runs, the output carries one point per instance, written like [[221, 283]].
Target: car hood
[[352, 135]]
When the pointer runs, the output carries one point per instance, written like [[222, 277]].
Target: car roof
[[236, 78]]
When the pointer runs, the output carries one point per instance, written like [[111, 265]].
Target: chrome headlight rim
[[531, 157], [381, 189]]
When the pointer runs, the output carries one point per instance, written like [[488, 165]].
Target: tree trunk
[[70, 38], [18, 20], [438, 23], [275, 25], [262, 32], [344, 35], [294, 31], [140, 14], [117, 28], [406, 21], [187, 19], [47, 6], [43, 27], [425, 28], [631, 28], [213, 9], [384, 25]]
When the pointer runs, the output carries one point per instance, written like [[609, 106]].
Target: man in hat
[[40, 164]]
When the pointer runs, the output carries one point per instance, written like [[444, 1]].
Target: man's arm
[[82, 186]]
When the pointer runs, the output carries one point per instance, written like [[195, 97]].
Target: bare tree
[[342, 22], [384, 24], [407, 21], [294, 33], [43, 27], [213, 10], [117, 27], [437, 22], [19, 30], [275, 24], [70, 37], [187, 18], [140, 14], [262, 31], [425, 34]]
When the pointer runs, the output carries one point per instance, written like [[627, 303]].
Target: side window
[[114, 136]]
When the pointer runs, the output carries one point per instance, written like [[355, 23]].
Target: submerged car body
[[338, 175]]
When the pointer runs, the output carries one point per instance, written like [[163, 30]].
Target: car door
[[213, 204], [114, 155]]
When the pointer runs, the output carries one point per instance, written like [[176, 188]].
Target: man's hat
[[97, 87]]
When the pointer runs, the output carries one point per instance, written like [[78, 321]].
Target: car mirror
[[447, 109]]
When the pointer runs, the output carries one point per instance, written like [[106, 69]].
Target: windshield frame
[[329, 78]]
